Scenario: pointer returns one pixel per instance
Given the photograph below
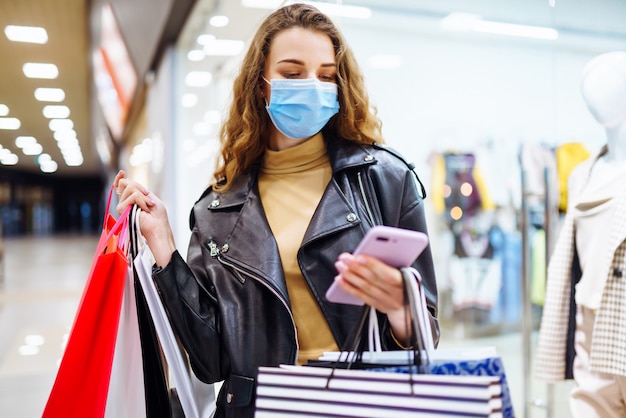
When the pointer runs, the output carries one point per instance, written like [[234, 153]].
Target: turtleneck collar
[[302, 157]]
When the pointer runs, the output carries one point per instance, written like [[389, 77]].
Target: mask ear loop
[[263, 93]]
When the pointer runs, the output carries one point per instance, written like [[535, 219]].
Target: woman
[[299, 183]]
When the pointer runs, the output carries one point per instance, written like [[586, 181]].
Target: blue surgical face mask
[[301, 108]]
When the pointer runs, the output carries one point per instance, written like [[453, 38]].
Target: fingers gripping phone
[[397, 247]]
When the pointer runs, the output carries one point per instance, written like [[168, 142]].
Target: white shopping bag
[[126, 398], [196, 398]]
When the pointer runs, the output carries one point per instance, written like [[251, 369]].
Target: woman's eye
[[291, 75], [328, 78]]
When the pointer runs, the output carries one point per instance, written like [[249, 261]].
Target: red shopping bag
[[82, 381]]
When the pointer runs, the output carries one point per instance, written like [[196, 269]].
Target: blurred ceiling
[[66, 24]]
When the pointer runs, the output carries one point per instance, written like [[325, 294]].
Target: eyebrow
[[295, 61]]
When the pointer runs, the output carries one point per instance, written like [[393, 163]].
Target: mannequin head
[[604, 88]]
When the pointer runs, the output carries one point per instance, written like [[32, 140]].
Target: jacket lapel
[[618, 233], [245, 227], [332, 214]]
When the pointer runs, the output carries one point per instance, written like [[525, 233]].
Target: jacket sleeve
[[192, 310], [410, 214], [415, 218]]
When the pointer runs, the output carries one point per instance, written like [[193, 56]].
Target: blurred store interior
[[483, 96]]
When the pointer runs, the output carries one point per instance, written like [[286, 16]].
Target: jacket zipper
[[239, 271], [365, 199]]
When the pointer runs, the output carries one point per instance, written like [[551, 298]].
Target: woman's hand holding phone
[[370, 275]]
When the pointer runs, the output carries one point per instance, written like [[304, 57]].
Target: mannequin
[[583, 333], [604, 91]]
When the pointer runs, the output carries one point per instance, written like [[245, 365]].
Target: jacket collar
[[342, 154], [334, 213], [618, 231]]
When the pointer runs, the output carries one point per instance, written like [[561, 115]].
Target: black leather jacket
[[229, 303]]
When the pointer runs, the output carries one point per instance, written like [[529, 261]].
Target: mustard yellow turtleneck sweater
[[291, 184]]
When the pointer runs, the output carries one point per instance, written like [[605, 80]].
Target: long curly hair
[[245, 132]]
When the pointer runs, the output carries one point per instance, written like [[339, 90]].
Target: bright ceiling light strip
[[4, 109], [196, 55], [218, 21], [49, 94], [510, 29], [30, 34], [56, 112], [10, 124], [25, 141], [458, 21], [40, 70], [60, 124], [33, 149]]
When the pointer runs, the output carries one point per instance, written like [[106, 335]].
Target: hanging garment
[[568, 156], [458, 183]]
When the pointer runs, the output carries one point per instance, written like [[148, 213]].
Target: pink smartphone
[[397, 247]]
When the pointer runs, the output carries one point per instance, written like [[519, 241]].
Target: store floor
[[41, 281]]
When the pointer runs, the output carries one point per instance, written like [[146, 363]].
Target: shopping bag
[[302, 391], [470, 361], [158, 400], [126, 396], [375, 383], [81, 385], [186, 387]]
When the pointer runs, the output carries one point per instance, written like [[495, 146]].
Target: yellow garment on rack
[[568, 156], [438, 182], [487, 202]]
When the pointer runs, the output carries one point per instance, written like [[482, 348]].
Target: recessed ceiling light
[[49, 94], [74, 159], [49, 167], [60, 124], [195, 55], [64, 134], [67, 143], [34, 339], [10, 123], [28, 350], [56, 111], [205, 38], [4, 109], [218, 21], [24, 141], [7, 157], [40, 70], [31, 34], [33, 149]]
